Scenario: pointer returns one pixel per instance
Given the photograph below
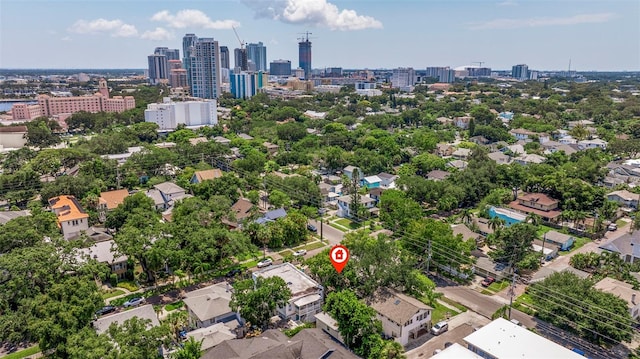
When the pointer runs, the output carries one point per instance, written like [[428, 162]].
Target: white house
[[344, 202], [72, 219], [387, 180], [624, 291], [307, 295], [502, 339], [348, 171], [402, 317], [210, 305], [145, 312], [624, 198], [193, 114], [595, 143]]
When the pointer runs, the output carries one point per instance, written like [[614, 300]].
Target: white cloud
[[116, 28], [192, 18], [312, 12], [159, 34], [543, 21]]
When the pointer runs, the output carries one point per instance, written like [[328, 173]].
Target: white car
[[300, 253], [440, 328], [265, 263]]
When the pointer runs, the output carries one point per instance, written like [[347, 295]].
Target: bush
[[113, 279], [128, 286], [296, 330]]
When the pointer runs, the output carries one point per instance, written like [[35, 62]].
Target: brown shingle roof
[[114, 198], [67, 208], [208, 174], [541, 198], [396, 306]]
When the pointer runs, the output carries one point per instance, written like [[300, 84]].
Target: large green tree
[[256, 301]]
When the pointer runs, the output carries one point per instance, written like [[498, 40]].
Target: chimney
[[633, 298]]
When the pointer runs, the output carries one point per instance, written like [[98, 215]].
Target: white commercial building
[[307, 296], [193, 114], [502, 339]]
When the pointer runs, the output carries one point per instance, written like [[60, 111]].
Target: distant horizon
[[320, 68], [595, 35]]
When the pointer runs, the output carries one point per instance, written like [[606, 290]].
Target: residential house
[[503, 339], [272, 216], [531, 158], [104, 252], [121, 158], [165, 145], [611, 182], [307, 344], [583, 123], [145, 312], [522, 134], [210, 305], [241, 210], [330, 192], [165, 194], [563, 241], [307, 295], [387, 180], [444, 149], [624, 198], [271, 147], [483, 226], [348, 171], [209, 337], [6, 216], [327, 324], [548, 250], [376, 194], [627, 246], [371, 182], [568, 140], [72, 219], [445, 120], [479, 140], [244, 136], [462, 122], [537, 203], [110, 200], [595, 143], [457, 164], [200, 176], [197, 140], [221, 140], [402, 317], [623, 291], [345, 201], [461, 153], [499, 158], [466, 233], [156, 196], [438, 175]]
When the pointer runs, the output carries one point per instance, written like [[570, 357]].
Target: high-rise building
[[188, 43], [478, 71], [280, 68], [257, 53], [177, 75], [204, 69], [171, 54], [435, 71], [403, 77], [304, 57], [520, 72], [224, 57], [246, 84], [158, 69], [240, 59], [447, 76]]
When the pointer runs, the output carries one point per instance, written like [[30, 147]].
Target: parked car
[[105, 310], [133, 302], [613, 227], [487, 281], [265, 263], [516, 322], [300, 253], [440, 328], [234, 272], [312, 228]]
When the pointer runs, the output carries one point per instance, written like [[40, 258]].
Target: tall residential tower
[[257, 53], [304, 55], [204, 69]]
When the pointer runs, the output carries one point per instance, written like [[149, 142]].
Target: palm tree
[[496, 223], [466, 215], [392, 350], [534, 219], [177, 320]]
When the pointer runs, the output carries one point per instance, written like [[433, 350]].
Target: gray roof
[[245, 136], [143, 312], [6, 216], [212, 335], [307, 344], [168, 188], [102, 252], [156, 196], [464, 231], [209, 302], [557, 237], [363, 199], [627, 244], [438, 174], [396, 306]]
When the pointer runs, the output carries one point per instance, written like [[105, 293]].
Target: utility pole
[[544, 239], [117, 178], [428, 255], [512, 293]]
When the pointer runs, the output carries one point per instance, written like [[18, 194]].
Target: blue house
[[563, 241], [371, 182], [348, 171]]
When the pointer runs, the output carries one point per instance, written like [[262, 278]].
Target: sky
[[595, 35]]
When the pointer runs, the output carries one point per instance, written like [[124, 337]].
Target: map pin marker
[[339, 256]]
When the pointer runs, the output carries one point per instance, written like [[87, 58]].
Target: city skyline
[[595, 35]]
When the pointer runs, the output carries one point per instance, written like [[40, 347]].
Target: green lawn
[[440, 312], [112, 293], [314, 245], [286, 252], [455, 304], [338, 227], [542, 229], [487, 292], [495, 287], [23, 353], [174, 306], [621, 222]]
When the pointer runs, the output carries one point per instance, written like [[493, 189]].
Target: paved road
[[334, 236]]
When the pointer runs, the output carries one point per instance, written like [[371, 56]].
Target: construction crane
[[238, 36], [478, 62]]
